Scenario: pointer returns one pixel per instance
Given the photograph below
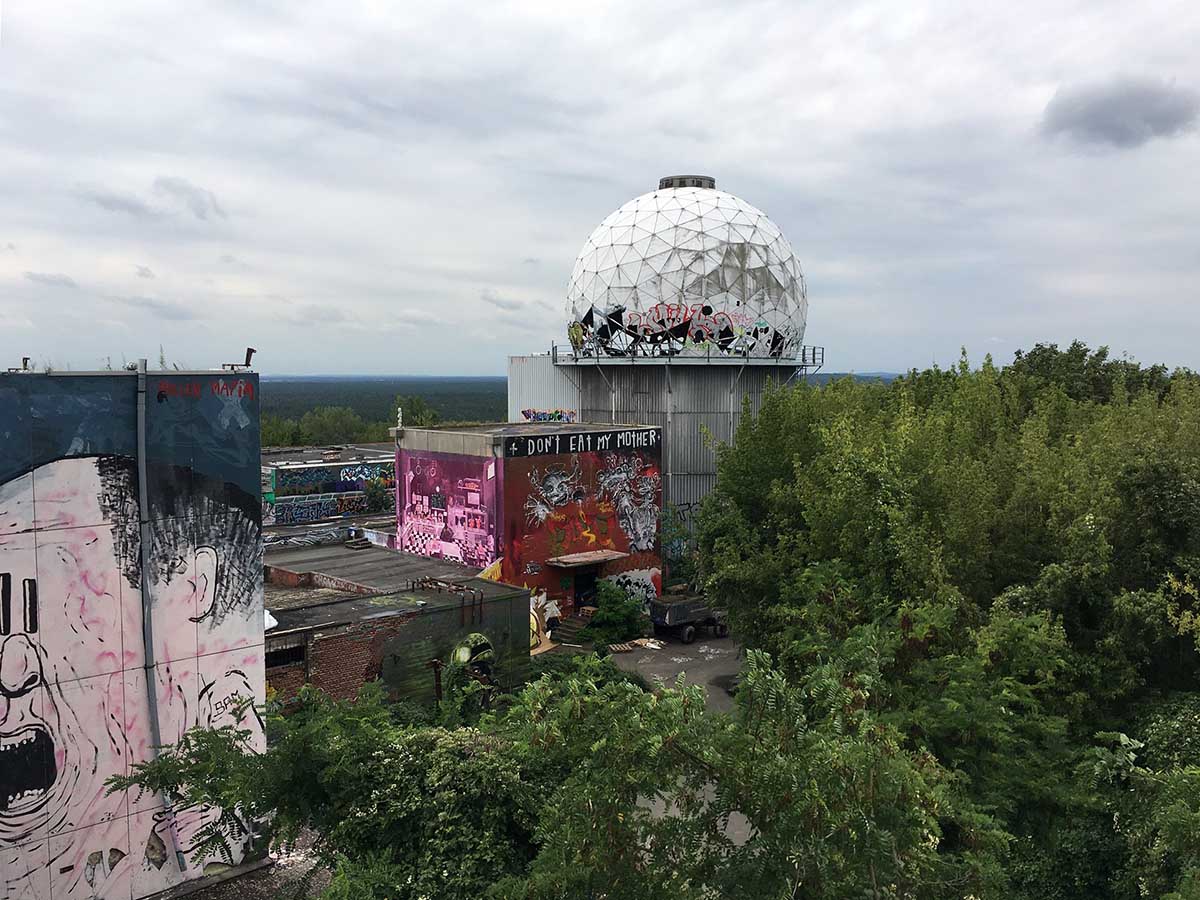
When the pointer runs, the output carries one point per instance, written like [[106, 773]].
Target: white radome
[[689, 271]]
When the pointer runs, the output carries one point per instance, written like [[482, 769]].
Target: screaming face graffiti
[[73, 689]]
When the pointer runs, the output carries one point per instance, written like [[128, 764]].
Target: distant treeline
[[453, 399], [333, 410]]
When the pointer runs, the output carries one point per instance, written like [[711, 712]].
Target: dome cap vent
[[686, 181]]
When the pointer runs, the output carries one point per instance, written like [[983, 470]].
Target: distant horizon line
[[358, 375]]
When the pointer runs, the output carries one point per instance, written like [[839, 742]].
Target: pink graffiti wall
[[446, 506], [75, 688]]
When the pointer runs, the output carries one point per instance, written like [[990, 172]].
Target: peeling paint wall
[[75, 708]]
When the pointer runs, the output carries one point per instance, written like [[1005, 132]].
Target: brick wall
[[342, 661], [286, 681]]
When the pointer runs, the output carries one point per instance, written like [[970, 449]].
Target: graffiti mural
[[574, 493], [550, 489], [308, 479], [447, 507], [643, 583], [634, 488], [76, 681], [548, 415]]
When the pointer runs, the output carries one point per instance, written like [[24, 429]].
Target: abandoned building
[[348, 613], [552, 507]]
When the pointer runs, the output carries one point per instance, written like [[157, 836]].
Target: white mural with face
[[74, 704]]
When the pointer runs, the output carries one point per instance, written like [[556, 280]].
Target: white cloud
[[383, 163]]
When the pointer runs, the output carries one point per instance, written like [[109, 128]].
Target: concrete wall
[[74, 656]]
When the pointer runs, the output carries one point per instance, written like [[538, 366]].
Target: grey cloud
[[116, 202], [1123, 112], [143, 272], [200, 201], [308, 313], [530, 261], [11, 247], [163, 309], [472, 103], [496, 300], [54, 279], [415, 317]]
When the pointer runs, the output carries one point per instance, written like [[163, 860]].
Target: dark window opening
[[286, 656], [31, 605], [5, 602]]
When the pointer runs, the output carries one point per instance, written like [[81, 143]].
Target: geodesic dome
[[689, 271]]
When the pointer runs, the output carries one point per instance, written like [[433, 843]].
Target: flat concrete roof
[[375, 567], [351, 453], [385, 571], [507, 429]]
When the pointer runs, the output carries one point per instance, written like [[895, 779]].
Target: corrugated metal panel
[[703, 400], [535, 383]]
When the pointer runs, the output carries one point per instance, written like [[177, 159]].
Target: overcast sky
[[402, 188]]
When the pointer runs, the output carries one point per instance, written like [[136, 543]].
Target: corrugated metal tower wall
[[695, 405]]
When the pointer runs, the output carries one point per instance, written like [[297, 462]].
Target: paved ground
[[281, 881], [711, 662]]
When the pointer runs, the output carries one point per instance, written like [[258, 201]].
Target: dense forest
[[970, 605], [314, 410]]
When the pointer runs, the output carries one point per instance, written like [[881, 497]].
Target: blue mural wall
[[79, 678]]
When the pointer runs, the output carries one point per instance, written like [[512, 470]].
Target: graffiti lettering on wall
[[294, 481], [548, 415], [448, 507], [624, 439], [299, 509], [77, 689]]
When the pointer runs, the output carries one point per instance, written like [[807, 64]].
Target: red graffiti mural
[[568, 503]]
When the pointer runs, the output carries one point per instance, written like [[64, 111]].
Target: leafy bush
[[559, 665], [619, 616]]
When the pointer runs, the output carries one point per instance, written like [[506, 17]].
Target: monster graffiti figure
[[633, 490], [74, 699], [553, 488]]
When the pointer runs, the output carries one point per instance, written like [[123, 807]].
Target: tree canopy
[[970, 603]]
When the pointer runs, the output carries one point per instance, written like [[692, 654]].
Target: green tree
[[379, 496], [1012, 552], [417, 412], [279, 432], [588, 785], [619, 616], [330, 425]]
